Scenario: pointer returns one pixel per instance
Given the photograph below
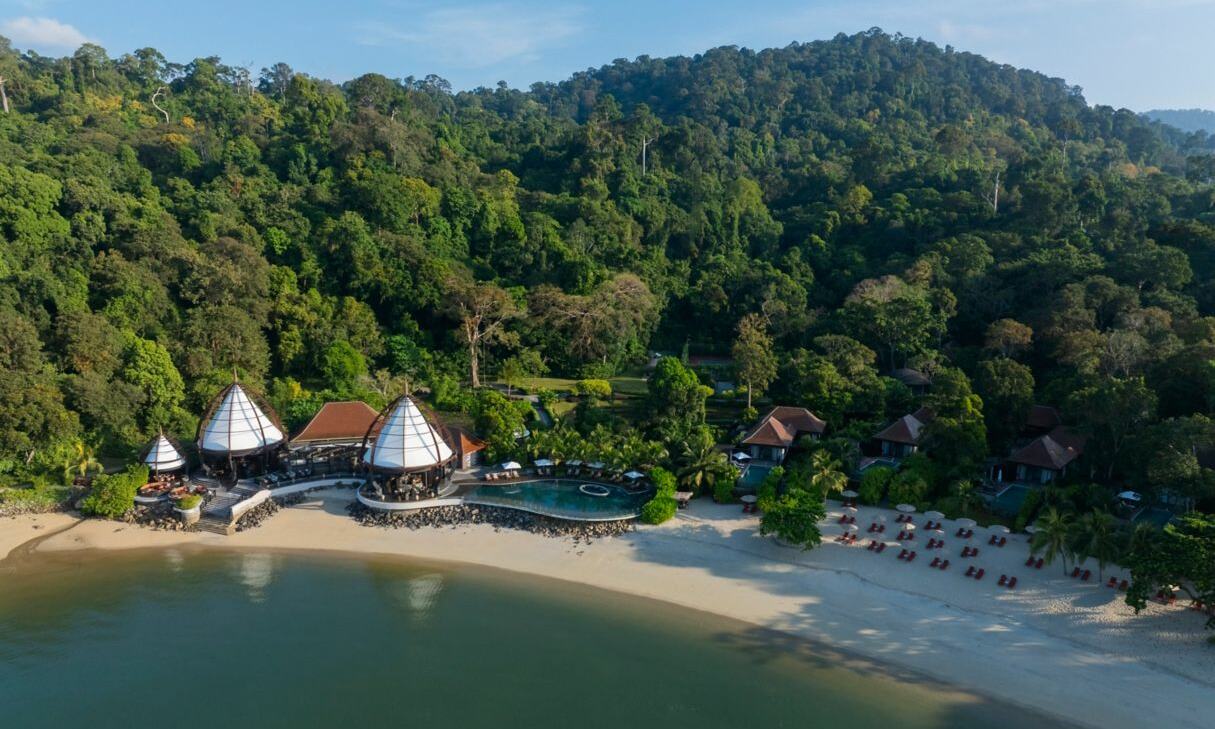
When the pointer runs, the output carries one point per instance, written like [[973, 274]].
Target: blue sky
[[1134, 53]]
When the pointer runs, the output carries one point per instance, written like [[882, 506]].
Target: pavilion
[[239, 436], [407, 454], [163, 456]]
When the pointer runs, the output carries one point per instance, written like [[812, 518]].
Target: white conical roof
[[162, 456], [238, 426], [407, 441]]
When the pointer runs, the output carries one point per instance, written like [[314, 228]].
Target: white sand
[[1055, 644]]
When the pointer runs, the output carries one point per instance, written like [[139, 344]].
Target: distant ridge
[[1187, 120]]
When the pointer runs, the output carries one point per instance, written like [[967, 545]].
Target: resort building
[[1040, 420], [162, 456], [336, 424], [916, 381], [774, 435], [470, 450], [1043, 460], [408, 455], [239, 435], [902, 437]]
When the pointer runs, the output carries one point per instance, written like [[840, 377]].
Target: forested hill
[[877, 201]]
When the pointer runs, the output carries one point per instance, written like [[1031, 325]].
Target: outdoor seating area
[[632, 479]]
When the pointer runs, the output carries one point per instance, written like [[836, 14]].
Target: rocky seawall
[[453, 516]]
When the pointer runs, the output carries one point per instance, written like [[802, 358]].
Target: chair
[[881, 548], [1038, 565], [1075, 572], [970, 571], [1003, 580], [1113, 582], [1030, 561], [1087, 574], [980, 573], [945, 564], [935, 561], [1123, 585], [911, 557], [1003, 541], [1012, 582]]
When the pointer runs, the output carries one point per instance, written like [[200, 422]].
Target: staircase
[[217, 513]]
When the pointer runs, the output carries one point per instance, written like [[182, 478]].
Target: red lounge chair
[[1075, 572], [945, 565], [970, 533], [970, 571], [1012, 582], [940, 543], [935, 561], [1113, 582], [881, 547], [1038, 565], [1087, 574], [980, 573], [1003, 580], [881, 529], [872, 528], [1003, 541], [991, 539], [903, 554], [932, 543], [959, 532], [1030, 562], [872, 545], [1123, 585], [911, 557], [965, 552]]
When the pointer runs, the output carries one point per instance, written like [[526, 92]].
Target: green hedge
[[662, 507], [189, 501], [114, 493]]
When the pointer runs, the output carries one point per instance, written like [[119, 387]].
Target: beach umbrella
[[511, 466], [999, 529], [849, 494], [1031, 529], [905, 508], [543, 462], [1131, 496], [574, 462], [934, 515], [851, 528], [633, 475], [908, 527], [596, 465], [967, 523], [850, 509], [741, 457]]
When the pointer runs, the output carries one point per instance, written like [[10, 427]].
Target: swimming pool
[[752, 477], [563, 498]]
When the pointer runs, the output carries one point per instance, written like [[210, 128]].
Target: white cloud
[[42, 33], [480, 35]]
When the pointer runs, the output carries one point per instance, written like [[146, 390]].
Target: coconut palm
[[825, 473], [1053, 537], [1094, 535], [968, 498], [79, 460], [703, 466]]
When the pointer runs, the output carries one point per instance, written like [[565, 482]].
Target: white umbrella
[[543, 462], [851, 528], [909, 527], [935, 515], [633, 475], [1031, 529], [905, 508], [574, 462], [741, 457], [511, 466], [1130, 496], [850, 509], [999, 529], [849, 494], [967, 523], [596, 465]]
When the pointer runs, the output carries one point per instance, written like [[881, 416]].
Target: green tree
[[753, 355], [794, 519], [1053, 537]]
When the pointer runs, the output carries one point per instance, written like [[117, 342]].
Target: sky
[[1139, 54]]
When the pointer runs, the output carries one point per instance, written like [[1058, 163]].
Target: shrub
[[664, 481], [659, 509], [189, 501], [723, 490], [874, 483], [907, 488], [794, 518], [767, 491], [113, 494], [599, 389]]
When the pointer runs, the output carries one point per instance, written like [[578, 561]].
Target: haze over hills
[[1187, 120]]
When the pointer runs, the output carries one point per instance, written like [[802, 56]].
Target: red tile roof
[[1052, 451], [467, 442], [338, 422], [907, 429], [782, 425], [1043, 417]]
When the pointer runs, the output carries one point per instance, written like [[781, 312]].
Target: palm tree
[[1094, 536], [79, 460], [703, 465], [825, 473], [966, 495], [1053, 537]]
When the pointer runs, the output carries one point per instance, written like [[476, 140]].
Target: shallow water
[[203, 639]]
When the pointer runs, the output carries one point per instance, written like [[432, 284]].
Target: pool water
[[563, 498], [752, 477]]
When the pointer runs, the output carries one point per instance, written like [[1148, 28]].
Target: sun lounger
[[1030, 561], [911, 557], [991, 539], [1123, 585], [1002, 542], [1003, 580], [1087, 574], [872, 545], [881, 547], [980, 573], [1012, 582], [959, 532], [1075, 572], [970, 571], [945, 564], [903, 554], [1039, 563], [935, 561], [1112, 582]]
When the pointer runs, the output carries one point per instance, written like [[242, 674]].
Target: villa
[[774, 435], [1043, 460], [916, 381], [902, 437]]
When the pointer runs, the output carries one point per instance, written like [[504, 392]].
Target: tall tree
[[483, 310], [753, 355]]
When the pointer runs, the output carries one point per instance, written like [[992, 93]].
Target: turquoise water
[[563, 498], [753, 476], [191, 640], [1008, 503]]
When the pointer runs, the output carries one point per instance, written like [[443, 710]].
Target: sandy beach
[[1055, 644]]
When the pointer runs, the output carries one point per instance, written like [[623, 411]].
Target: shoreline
[[1085, 661]]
